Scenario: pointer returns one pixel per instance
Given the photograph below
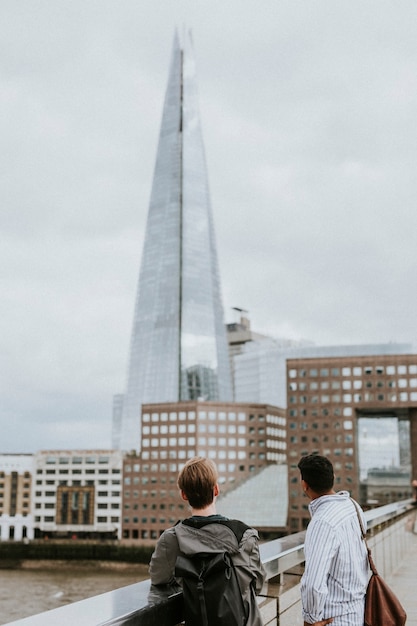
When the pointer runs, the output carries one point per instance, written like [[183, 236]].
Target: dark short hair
[[317, 471]]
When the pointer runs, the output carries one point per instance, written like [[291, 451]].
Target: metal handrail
[[142, 605]]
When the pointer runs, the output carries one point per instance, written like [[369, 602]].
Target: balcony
[[392, 536]]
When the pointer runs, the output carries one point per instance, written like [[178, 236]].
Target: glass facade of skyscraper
[[179, 346]]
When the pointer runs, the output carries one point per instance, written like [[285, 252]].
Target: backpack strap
[[236, 526], [363, 533]]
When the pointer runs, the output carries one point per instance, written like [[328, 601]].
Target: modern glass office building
[[178, 346]]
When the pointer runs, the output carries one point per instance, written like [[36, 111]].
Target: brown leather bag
[[382, 607]]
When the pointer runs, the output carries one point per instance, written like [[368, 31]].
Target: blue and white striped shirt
[[336, 571]]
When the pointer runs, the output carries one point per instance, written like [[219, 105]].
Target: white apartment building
[[77, 493], [16, 522]]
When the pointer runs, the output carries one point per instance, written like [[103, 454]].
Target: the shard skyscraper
[[178, 347]]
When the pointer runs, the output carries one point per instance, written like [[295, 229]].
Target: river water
[[39, 587]]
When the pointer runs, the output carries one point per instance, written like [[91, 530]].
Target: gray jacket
[[212, 538]]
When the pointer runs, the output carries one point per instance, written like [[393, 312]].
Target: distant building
[[178, 346], [326, 397], [118, 400], [238, 335], [260, 369], [77, 493], [16, 521], [241, 438], [385, 485]]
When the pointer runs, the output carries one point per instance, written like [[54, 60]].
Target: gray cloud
[[308, 114]]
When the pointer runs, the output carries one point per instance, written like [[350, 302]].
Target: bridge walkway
[[403, 580]]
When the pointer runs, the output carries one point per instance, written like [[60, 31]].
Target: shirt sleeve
[[255, 567], [258, 568], [162, 565], [320, 548]]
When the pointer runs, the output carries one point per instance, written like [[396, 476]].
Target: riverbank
[[13, 552], [134, 569]]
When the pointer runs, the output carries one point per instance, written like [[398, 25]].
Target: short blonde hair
[[197, 480]]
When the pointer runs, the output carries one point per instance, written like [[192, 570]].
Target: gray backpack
[[211, 591]]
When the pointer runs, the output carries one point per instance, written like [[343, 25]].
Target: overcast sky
[[309, 116]]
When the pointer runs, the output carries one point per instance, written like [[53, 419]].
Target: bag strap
[[236, 526], [363, 533]]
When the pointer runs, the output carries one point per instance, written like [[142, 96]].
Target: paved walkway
[[404, 580]]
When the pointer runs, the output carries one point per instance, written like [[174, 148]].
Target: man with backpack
[[216, 560]]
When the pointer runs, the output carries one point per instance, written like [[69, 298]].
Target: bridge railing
[[142, 605]]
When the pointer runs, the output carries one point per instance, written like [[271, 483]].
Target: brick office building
[[326, 396], [241, 438]]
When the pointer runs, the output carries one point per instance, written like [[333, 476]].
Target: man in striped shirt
[[336, 571]]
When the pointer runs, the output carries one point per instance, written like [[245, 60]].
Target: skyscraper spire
[[178, 346]]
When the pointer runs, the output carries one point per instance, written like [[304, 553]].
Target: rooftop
[[261, 501]]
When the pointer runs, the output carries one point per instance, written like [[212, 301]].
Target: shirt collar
[[314, 504]]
